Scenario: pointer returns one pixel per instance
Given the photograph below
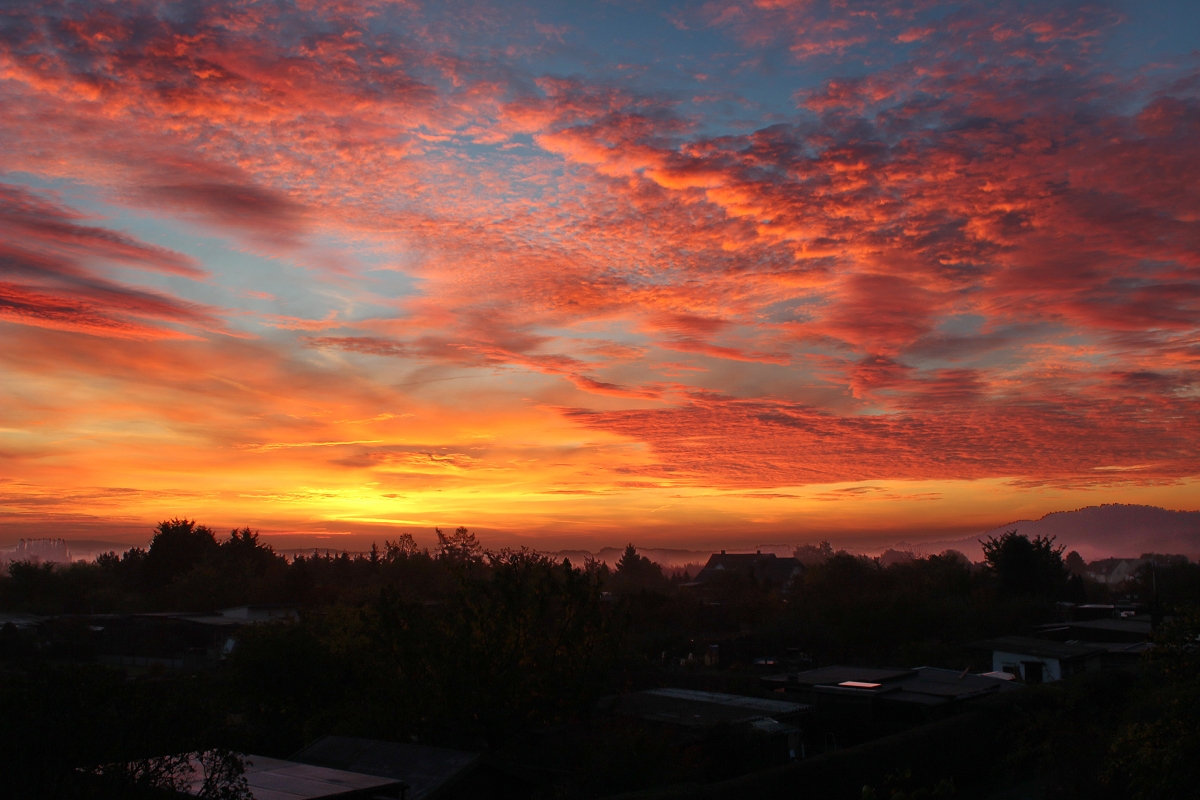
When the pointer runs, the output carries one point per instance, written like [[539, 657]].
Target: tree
[[243, 551], [810, 554], [1026, 566], [403, 547], [460, 547], [178, 546], [635, 572]]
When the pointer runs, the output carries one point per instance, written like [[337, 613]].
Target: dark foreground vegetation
[[511, 653]]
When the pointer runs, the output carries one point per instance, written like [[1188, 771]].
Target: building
[[766, 568], [1113, 571], [1040, 660], [886, 694], [37, 551]]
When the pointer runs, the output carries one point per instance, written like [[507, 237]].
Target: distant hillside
[[1100, 532]]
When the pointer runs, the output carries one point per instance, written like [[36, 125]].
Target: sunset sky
[[575, 274]]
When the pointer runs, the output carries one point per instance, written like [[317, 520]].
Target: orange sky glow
[[685, 275]]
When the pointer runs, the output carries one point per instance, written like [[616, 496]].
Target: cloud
[[972, 251], [53, 274]]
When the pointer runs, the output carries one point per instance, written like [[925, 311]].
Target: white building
[[1039, 661]]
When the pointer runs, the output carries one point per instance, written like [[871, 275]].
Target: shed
[[1039, 660]]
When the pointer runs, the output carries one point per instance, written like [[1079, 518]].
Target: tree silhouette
[[460, 547], [178, 546], [1026, 566]]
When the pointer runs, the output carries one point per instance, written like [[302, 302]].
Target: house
[[1113, 571], [1039, 660], [426, 771], [766, 568]]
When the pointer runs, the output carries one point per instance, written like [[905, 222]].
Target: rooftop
[[923, 685], [425, 769], [1041, 648], [701, 709], [832, 676], [273, 779]]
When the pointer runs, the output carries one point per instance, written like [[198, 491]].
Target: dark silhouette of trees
[[522, 642], [178, 545], [636, 573], [460, 547], [1026, 566], [813, 554]]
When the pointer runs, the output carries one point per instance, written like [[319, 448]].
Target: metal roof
[[425, 769]]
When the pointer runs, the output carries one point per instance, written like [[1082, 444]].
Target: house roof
[[1040, 648], [425, 769], [767, 566]]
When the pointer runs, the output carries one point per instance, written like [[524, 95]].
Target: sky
[[573, 274]]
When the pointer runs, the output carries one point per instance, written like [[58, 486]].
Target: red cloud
[[55, 275]]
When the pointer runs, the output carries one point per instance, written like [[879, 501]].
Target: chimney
[[758, 552]]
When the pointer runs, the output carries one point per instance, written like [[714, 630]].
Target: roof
[[933, 686], [1040, 648], [766, 566], [701, 709], [273, 779], [922, 685], [1138, 626], [831, 676], [425, 769], [238, 615]]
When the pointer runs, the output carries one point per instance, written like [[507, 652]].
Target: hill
[[1100, 532]]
